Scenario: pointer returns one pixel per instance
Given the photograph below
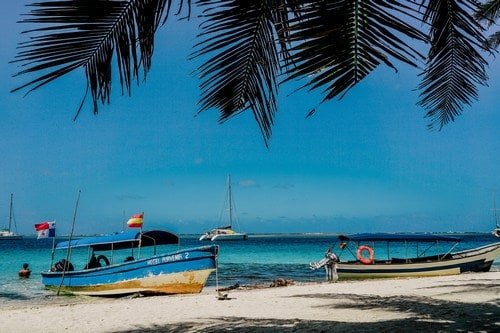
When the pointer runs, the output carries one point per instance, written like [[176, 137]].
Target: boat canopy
[[122, 240], [397, 238]]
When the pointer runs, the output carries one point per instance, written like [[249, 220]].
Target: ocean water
[[259, 260]]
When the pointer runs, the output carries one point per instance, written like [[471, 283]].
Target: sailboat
[[8, 234], [225, 233], [496, 231]]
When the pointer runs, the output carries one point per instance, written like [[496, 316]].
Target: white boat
[[7, 233], [370, 256], [225, 233]]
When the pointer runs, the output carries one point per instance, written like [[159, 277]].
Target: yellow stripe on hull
[[364, 275], [173, 283]]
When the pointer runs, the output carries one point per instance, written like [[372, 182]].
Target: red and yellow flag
[[135, 221]]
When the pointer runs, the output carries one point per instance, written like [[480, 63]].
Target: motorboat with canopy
[[404, 255], [116, 266]]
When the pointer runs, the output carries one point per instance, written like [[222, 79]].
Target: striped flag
[[46, 229], [135, 221]]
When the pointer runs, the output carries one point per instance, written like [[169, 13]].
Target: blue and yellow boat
[[107, 273]]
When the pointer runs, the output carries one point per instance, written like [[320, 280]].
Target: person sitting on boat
[[25, 272], [62, 265]]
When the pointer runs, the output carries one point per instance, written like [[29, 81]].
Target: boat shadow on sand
[[414, 313], [13, 296]]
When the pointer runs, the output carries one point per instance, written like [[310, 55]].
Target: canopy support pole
[[68, 253]]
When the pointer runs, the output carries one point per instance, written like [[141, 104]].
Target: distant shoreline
[[291, 234]]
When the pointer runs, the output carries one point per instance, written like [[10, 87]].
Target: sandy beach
[[468, 302]]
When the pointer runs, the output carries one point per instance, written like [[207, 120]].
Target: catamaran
[[225, 233], [8, 234]]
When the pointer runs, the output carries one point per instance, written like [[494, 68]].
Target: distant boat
[[179, 272], [369, 256], [225, 233], [496, 231], [7, 233]]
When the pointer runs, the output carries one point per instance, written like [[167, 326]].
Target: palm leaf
[[494, 39], [454, 66], [87, 33], [238, 38], [488, 12], [338, 42]]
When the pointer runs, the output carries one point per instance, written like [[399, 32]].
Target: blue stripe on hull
[[190, 260]]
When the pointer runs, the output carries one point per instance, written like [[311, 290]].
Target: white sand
[[467, 302]]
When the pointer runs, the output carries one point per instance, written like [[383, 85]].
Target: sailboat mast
[[495, 210], [10, 212], [230, 202]]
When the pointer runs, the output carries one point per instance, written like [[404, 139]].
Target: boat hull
[[223, 236], [476, 260], [180, 272], [229, 237], [206, 237]]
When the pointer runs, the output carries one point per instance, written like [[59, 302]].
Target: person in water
[[25, 271]]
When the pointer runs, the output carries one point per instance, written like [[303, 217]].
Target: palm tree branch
[[454, 66], [488, 12], [338, 43], [241, 59], [88, 33], [494, 39]]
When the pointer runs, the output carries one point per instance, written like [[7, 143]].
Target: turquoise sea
[[259, 260]]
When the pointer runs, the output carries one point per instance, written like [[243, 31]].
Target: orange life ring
[[361, 258]]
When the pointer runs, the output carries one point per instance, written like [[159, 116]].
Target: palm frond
[[488, 12], [340, 42], [87, 33], [238, 38], [454, 66], [494, 39]]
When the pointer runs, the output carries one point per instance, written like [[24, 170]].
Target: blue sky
[[366, 163]]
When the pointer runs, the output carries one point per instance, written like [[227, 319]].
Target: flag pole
[[53, 252], [53, 247], [140, 237], [68, 253]]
